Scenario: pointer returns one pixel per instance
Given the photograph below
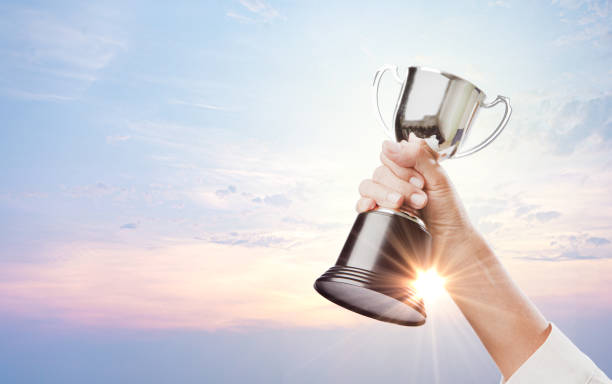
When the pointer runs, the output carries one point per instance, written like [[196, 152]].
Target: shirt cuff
[[557, 361]]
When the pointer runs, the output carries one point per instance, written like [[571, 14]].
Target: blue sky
[[177, 175]]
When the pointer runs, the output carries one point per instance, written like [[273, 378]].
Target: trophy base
[[374, 273]]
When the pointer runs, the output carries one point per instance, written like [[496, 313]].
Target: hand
[[411, 179]]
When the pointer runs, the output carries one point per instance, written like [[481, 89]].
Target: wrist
[[462, 256]]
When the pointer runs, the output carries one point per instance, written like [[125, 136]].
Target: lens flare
[[429, 285]]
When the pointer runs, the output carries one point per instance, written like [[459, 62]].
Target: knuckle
[[379, 173], [390, 165], [363, 186], [405, 174], [422, 149]]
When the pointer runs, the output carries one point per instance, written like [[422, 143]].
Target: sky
[[175, 176]]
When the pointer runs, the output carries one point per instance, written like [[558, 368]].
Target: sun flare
[[429, 285]]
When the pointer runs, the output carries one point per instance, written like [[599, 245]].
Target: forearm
[[506, 321]]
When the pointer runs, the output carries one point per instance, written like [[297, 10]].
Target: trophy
[[378, 264]]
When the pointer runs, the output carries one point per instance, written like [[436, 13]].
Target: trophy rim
[[406, 215], [449, 75]]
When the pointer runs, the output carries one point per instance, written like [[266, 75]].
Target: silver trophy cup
[[379, 261]]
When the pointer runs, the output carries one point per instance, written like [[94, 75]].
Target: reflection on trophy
[[385, 249]]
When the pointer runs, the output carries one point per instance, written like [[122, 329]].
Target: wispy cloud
[[253, 239], [224, 192], [579, 246], [598, 241], [259, 11], [579, 120], [239, 17], [523, 209], [592, 20], [117, 138], [63, 53], [544, 216], [499, 3], [53, 41], [35, 96], [278, 199], [200, 105]]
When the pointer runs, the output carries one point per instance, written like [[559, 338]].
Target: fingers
[[365, 204], [407, 174], [414, 197], [418, 155], [384, 196], [387, 190]]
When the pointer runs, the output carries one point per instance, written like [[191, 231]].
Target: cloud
[[57, 41], [524, 209], [598, 241], [300, 222], [260, 8], [35, 96], [484, 208], [97, 189], [591, 20], [224, 192], [488, 226], [107, 193], [239, 17], [578, 120], [279, 200], [580, 246], [259, 12], [573, 255], [499, 3], [183, 284], [129, 226], [545, 216], [595, 32], [117, 138], [200, 105], [60, 54], [250, 239]]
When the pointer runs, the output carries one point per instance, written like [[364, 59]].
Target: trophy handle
[[376, 87], [496, 132]]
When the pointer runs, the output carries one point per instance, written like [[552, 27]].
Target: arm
[[506, 321]]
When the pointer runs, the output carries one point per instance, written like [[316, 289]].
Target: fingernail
[[392, 146], [394, 197], [416, 182], [418, 199]]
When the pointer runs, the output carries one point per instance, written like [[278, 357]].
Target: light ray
[[429, 285]]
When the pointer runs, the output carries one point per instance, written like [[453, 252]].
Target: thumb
[[418, 155]]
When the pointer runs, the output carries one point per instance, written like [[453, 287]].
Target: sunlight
[[429, 285]]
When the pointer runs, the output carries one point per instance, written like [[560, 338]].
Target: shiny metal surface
[[403, 214], [438, 107], [376, 267]]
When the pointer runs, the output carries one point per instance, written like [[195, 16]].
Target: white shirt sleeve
[[558, 361]]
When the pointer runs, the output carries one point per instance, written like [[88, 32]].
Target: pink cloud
[[186, 285]]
